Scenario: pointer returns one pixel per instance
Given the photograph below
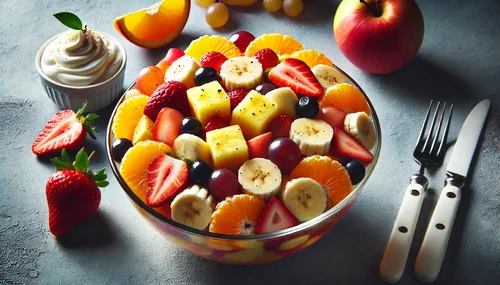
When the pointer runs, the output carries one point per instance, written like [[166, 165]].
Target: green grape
[[204, 3], [217, 15], [273, 5], [293, 8]]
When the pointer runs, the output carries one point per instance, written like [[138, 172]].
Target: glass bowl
[[246, 250]]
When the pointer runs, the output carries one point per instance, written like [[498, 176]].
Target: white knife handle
[[431, 254], [396, 252]]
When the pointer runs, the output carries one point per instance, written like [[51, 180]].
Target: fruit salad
[[243, 139]]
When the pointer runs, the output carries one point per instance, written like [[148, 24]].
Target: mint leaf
[[70, 20]]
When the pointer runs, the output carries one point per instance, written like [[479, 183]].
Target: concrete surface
[[459, 62]]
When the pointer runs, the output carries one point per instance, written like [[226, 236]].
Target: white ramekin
[[97, 95]]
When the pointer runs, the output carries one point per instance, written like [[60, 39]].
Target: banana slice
[[360, 126], [286, 100], [328, 76], [193, 207], [305, 198], [260, 177], [191, 147], [312, 136], [183, 70], [241, 72]]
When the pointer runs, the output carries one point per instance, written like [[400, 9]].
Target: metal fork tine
[[431, 131], [445, 134], [438, 129], [424, 125]]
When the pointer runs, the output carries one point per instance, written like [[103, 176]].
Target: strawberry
[[259, 145], [166, 177], [72, 192], [172, 55], [295, 73], [215, 123], [276, 217], [345, 146], [167, 126], [280, 127], [236, 96], [66, 129], [170, 94], [267, 58], [213, 59]]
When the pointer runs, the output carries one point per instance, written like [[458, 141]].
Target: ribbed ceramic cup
[[97, 95]]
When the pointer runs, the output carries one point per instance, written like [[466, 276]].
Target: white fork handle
[[431, 254], [396, 252]]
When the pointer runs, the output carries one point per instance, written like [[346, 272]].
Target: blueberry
[[265, 88], [307, 107], [119, 148], [356, 171], [200, 172], [190, 125], [205, 75]]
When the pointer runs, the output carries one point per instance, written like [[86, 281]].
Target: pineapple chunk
[[254, 114], [143, 130], [228, 147], [209, 100]]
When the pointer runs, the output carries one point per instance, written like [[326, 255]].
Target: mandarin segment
[[312, 57], [206, 44], [237, 215], [280, 44], [155, 26], [128, 116], [345, 97], [327, 172]]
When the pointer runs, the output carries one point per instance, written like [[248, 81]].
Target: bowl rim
[[302, 227], [42, 74]]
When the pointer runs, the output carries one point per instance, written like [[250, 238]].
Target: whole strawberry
[[213, 59], [170, 94], [267, 58], [66, 129], [72, 192]]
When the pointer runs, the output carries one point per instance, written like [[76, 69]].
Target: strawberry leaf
[[81, 161], [64, 162], [102, 184], [100, 175], [91, 117], [86, 120], [70, 20], [65, 156]]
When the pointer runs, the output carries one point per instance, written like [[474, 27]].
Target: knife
[[433, 248]]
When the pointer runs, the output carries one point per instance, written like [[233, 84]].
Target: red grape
[[223, 183], [242, 39], [285, 153]]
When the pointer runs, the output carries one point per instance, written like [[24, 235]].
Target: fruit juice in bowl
[[238, 165]]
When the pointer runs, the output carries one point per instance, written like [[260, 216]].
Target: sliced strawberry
[[267, 58], [167, 126], [172, 94], [280, 127], [215, 123], [333, 116], [166, 177], [295, 74], [236, 96], [213, 59], [276, 217], [259, 146], [64, 130], [345, 146], [172, 55]]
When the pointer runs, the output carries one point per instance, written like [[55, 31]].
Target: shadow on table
[[94, 232]]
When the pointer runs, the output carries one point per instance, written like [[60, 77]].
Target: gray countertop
[[459, 62]]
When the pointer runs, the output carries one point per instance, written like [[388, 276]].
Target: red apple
[[379, 36]]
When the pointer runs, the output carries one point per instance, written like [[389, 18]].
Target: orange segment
[[345, 97], [237, 215], [312, 57], [134, 169], [206, 44], [127, 117], [327, 172], [280, 44], [155, 26]]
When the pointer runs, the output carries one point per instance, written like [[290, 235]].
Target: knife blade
[[433, 248]]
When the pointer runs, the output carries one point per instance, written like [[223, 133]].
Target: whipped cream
[[78, 58]]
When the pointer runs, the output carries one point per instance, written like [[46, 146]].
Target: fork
[[428, 151]]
